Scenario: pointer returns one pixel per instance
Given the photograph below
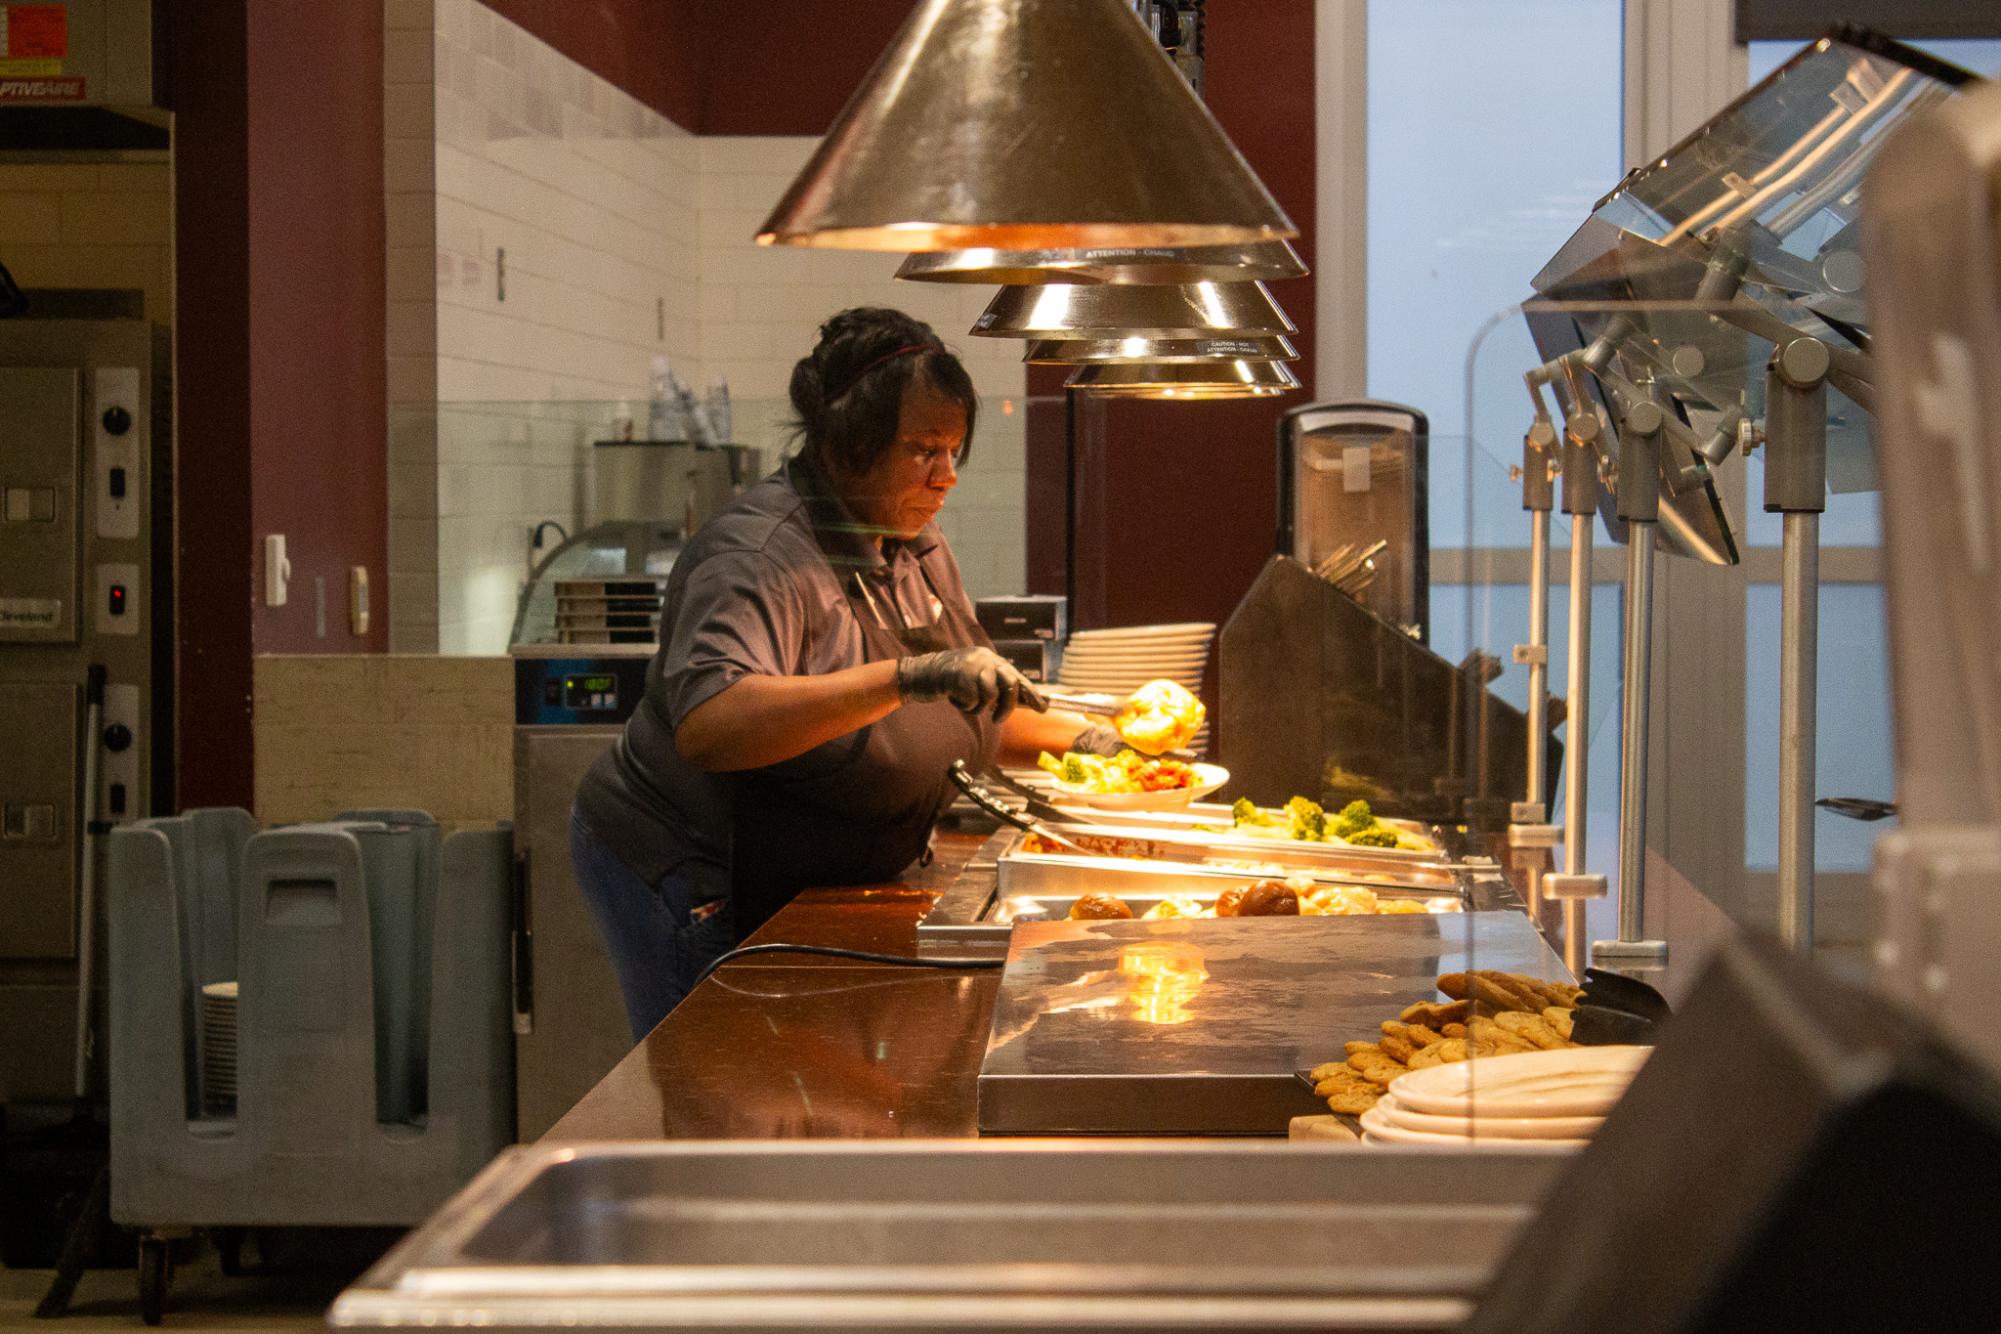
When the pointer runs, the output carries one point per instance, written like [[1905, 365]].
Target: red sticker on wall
[[34, 32], [41, 90]]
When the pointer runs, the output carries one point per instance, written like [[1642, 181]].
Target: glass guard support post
[[1639, 500], [1529, 830], [1538, 478], [1582, 431], [1796, 489]]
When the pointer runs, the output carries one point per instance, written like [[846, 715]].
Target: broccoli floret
[[1308, 820], [1074, 771], [1375, 836], [1353, 819], [1244, 811]]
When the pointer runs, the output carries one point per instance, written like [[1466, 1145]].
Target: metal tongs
[[1617, 1010], [1098, 706], [976, 792], [1039, 806], [1352, 569]]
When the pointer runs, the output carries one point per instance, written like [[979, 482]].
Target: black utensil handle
[[1616, 991], [963, 779], [1596, 1026]]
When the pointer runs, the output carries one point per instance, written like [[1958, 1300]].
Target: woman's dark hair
[[848, 392]]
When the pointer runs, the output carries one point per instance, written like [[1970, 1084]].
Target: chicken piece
[[1160, 716], [1175, 905], [1342, 901]]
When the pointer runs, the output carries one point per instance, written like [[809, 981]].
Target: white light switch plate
[[277, 570], [357, 599]]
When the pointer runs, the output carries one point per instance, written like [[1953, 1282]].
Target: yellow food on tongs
[[1158, 717]]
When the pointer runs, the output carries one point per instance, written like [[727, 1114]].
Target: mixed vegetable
[[1127, 771], [1307, 821]]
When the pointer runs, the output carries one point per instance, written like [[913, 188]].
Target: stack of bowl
[[1527, 1102], [218, 1049]]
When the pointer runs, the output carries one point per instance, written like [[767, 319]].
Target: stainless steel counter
[[947, 1235]]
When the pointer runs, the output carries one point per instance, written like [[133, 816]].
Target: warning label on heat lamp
[[41, 90], [34, 41]]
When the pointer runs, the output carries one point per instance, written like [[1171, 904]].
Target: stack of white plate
[[1530, 1102], [218, 1051], [1118, 662]]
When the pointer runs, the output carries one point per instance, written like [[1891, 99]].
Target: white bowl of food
[[1130, 781]]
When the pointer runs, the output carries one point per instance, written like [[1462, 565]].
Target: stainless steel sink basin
[[960, 1235]]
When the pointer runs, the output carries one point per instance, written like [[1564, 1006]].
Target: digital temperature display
[[597, 690]]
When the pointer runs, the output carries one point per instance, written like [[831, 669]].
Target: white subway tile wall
[[624, 238], [410, 217]]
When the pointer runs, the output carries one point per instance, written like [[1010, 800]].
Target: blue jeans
[[657, 942]]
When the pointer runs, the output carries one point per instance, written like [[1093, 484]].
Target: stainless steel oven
[[84, 652]]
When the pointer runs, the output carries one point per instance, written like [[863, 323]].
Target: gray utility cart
[[309, 1025]]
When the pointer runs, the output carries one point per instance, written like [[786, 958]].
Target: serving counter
[[794, 1046], [798, 1046], [675, 1228]]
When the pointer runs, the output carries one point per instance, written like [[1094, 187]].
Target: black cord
[[829, 951]]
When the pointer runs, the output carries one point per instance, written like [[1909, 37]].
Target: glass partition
[[522, 487], [1713, 745]]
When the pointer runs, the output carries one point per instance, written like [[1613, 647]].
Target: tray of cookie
[[1484, 1012]]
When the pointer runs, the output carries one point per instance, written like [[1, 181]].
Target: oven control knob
[[117, 420], [117, 738]]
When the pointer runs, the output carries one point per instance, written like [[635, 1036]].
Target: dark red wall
[[722, 68], [650, 48], [319, 419], [792, 69], [1190, 490], [280, 412]]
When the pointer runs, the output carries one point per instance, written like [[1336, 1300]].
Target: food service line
[[794, 1046]]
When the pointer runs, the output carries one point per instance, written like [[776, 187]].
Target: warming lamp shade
[[1024, 125], [1266, 261], [1158, 351], [1190, 310], [1234, 379]]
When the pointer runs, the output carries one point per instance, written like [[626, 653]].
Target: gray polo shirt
[[765, 588]]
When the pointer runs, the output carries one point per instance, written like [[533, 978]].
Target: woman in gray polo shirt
[[819, 670]]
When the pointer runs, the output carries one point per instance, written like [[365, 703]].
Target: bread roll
[[1268, 898], [1099, 908]]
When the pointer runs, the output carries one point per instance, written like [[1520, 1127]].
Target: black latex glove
[[1099, 740], [975, 680], [1102, 740]]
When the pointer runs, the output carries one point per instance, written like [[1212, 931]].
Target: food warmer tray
[[1217, 822], [1196, 1027], [969, 1237], [1003, 885]]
